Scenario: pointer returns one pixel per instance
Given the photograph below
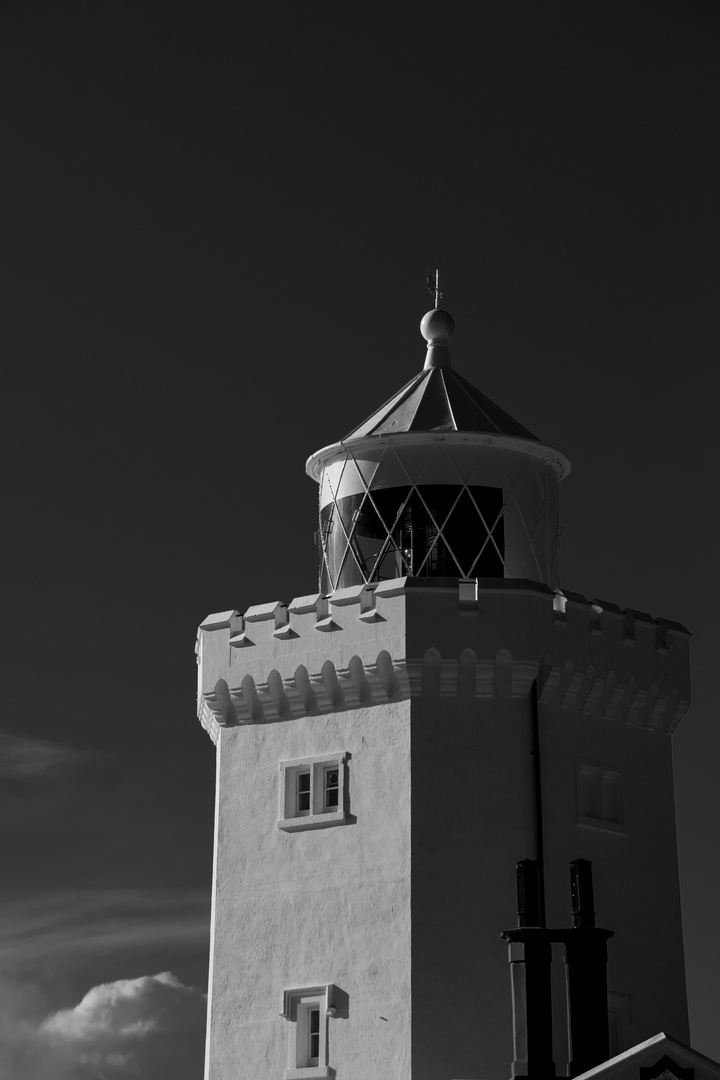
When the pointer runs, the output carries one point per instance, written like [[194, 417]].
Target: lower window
[[308, 1008], [307, 1050]]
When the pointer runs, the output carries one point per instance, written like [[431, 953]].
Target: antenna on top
[[433, 284]]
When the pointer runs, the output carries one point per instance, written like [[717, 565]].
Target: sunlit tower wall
[[389, 748]]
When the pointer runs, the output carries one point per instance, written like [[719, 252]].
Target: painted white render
[[426, 688], [315, 907]]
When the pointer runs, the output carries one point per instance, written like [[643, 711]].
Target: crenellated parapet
[[372, 644]]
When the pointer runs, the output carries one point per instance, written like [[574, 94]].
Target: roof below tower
[[658, 1058], [438, 399]]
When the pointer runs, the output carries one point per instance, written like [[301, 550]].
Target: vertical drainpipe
[[530, 948], [537, 785]]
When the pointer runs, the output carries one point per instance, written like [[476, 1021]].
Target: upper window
[[313, 792], [600, 795]]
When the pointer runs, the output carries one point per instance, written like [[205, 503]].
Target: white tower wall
[[427, 689], [315, 907], [635, 871]]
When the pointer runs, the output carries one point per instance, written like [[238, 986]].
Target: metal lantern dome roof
[[438, 399], [439, 403]]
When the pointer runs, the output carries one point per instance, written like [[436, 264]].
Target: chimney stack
[[585, 947], [530, 958]]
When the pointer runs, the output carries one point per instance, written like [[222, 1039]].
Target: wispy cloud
[[144, 1028], [38, 759], [70, 927], [38, 780]]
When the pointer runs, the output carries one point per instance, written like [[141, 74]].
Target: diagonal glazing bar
[[381, 519], [388, 532], [369, 494], [324, 533], [439, 528], [490, 531], [389, 541], [488, 539], [430, 514], [518, 508], [347, 535], [326, 561]]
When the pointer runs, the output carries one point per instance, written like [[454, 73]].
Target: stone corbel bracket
[[360, 686], [370, 645]]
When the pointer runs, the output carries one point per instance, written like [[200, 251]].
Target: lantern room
[[438, 482]]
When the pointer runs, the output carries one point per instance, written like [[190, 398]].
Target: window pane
[[589, 793], [303, 789], [612, 796], [331, 788], [314, 1036]]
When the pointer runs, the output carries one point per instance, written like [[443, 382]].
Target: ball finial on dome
[[437, 327]]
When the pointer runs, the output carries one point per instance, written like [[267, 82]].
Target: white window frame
[[318, 816], [610, 782], [298, 1005], [304, 1058]]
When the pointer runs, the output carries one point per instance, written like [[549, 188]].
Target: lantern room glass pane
[[436, 530]]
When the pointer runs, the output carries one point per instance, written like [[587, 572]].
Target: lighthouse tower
[[445, 832]]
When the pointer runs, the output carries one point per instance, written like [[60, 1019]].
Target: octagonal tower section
[[438, 482]]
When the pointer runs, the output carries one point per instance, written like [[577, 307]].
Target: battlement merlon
[[370, 644]]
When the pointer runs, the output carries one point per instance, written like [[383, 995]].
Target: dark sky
[[216, 221]]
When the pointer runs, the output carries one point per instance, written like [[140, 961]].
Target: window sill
[[312, 821], [314, 1072], [604, 826]]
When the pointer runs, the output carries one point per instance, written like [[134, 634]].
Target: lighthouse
[[445, 832]]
